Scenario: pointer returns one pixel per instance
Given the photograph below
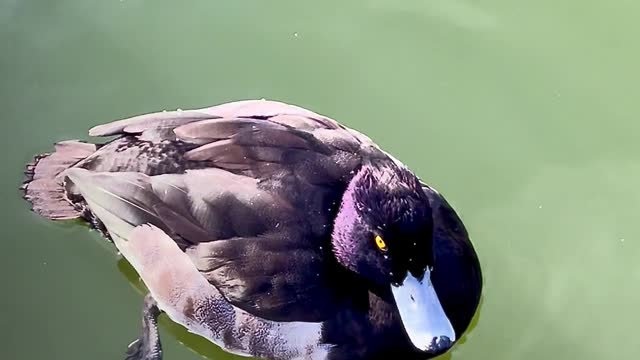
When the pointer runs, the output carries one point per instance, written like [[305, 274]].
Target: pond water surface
[[524, 114]]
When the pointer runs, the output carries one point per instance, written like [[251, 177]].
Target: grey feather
[[140, 123], [211, 130], [247, 108], [126, 194], [42, 186]]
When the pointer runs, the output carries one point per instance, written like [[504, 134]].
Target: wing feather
[[248, 189]]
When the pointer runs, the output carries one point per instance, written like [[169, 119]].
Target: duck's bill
[[422, 315]]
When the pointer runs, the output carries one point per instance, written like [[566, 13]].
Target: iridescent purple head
[[383, 233], [385, 201]]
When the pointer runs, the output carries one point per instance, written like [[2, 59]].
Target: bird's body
[[243, 221]]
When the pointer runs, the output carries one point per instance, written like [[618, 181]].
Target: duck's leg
[[147, 346]]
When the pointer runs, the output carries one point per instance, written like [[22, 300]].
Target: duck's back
[[247, 189]]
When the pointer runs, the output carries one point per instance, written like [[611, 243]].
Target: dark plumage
[[272, 231]]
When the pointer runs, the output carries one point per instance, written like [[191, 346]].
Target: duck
[[270, 230]]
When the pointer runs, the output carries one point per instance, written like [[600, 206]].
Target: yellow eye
[[380, 243]]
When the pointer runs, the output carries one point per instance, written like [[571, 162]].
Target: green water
[[524, 114]]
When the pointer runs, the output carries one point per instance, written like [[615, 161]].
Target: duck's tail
[[44, 188]]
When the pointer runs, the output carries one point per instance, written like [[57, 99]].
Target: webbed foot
[[147, 346]]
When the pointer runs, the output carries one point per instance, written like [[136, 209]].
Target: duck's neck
[[345, 225]]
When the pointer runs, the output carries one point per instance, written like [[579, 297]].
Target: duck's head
[[383, 233]]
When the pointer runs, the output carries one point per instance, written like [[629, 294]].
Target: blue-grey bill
[[421, 312]]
